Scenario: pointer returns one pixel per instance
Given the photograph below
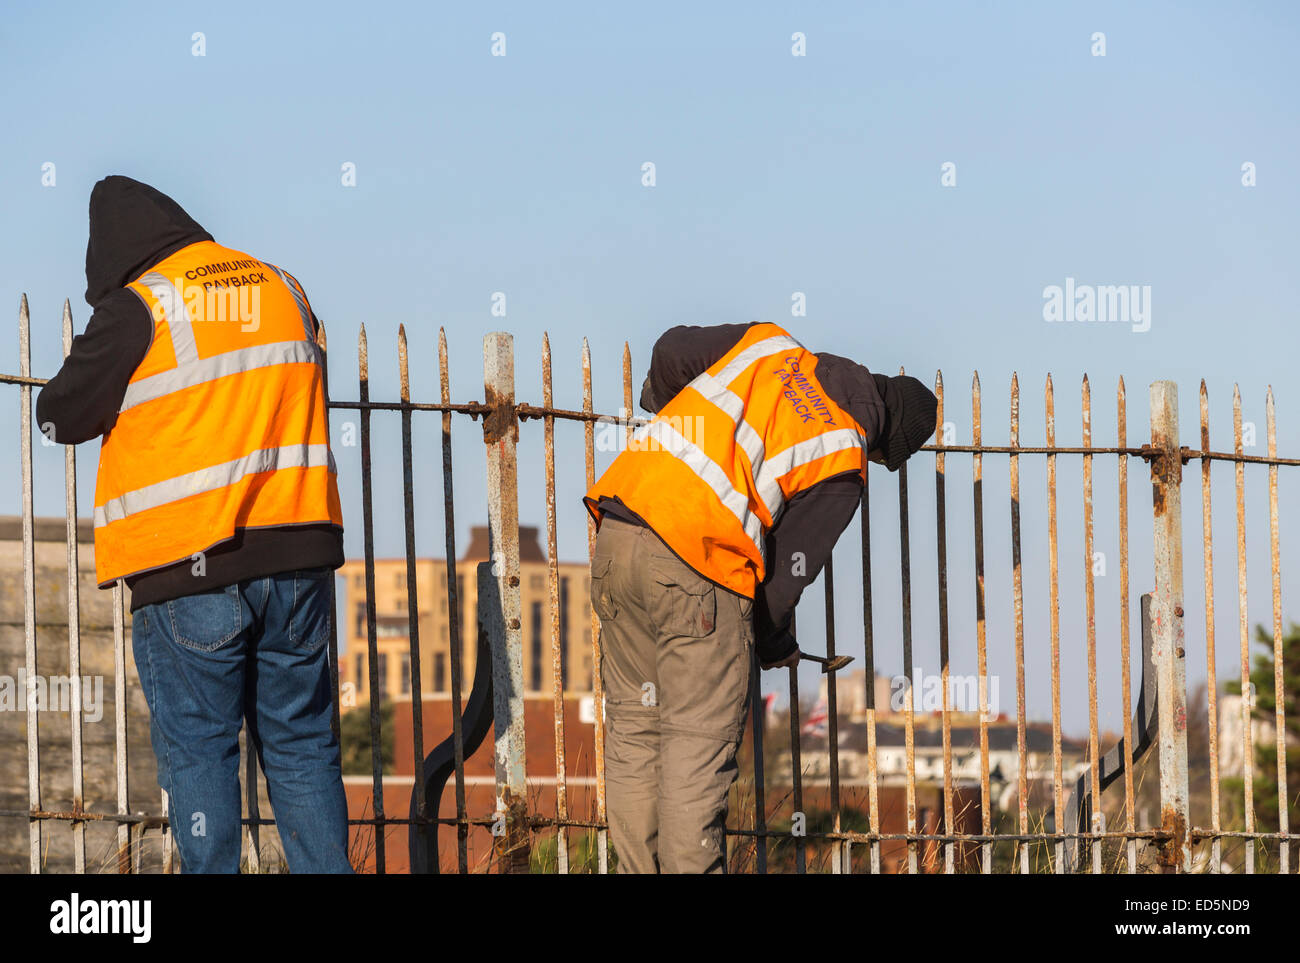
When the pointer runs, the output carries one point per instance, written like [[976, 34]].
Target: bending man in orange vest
[[711, 522], [216, 502]]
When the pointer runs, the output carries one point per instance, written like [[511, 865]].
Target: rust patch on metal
[[1170, 848], [513, 847], [1165, 471], [500, 422]]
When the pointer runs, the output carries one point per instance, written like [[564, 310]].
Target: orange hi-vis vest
[[223, 425], [713, 471]]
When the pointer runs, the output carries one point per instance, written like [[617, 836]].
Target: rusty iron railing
[[498, 692]]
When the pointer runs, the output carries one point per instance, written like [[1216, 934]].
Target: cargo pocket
[[687, 605], [602, 600]]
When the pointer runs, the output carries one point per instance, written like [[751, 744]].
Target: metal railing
[[752, 833]]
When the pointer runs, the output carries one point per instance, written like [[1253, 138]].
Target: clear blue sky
[[775, 174]]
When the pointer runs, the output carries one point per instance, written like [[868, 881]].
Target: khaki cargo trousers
[[677, 668]]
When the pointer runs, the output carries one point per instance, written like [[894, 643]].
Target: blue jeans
[[255, 651]]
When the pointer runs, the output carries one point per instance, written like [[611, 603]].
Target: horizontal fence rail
[[958, 830]]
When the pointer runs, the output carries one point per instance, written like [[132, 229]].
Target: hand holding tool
[[833, 664]]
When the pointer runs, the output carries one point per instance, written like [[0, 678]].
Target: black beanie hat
[[910, 421]]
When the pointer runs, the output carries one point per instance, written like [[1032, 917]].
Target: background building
[[392, 622]]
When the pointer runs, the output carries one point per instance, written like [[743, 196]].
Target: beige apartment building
[[392, 622]]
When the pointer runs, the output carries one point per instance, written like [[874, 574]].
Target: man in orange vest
[[216, 502], [711, 522]]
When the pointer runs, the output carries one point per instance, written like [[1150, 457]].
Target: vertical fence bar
[[1279, 689], [557, 656], [74, 626], [500, 435], [322, 344], [35, 831], [254, 809], [981, 640], [627, 391], [941, 558], [759, 711], [1167, 618], [840, 852], [453, 611], [1247, 691], [1121, 408], [909, 719], [1018, 607], [1097, 823], [597, 684], [412, 590], [124, 831], [796, 768], [873, 771], [372, 644], [1211, 670], [167, 840], [1054, 609]]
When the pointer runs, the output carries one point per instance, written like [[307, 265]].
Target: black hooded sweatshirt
[[132, 227], [800, 544]]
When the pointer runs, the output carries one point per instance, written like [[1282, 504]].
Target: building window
[[406, 673], [536, 582], [359, 664], [383, 673], [536, 673], [359, 629], [439, 672]]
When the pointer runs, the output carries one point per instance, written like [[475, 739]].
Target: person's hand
[[789, 660]]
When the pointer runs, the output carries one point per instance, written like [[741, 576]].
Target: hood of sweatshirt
[[132, 226]]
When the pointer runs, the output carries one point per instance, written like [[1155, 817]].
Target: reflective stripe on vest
[[218, 366], [179, 324], [209, 479], [796, 456], [304, 312], [710, 472]]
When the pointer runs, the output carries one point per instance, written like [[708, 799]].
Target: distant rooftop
[[530, 546], [45, 529]]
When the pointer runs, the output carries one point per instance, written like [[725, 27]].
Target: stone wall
[[55, 723]]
